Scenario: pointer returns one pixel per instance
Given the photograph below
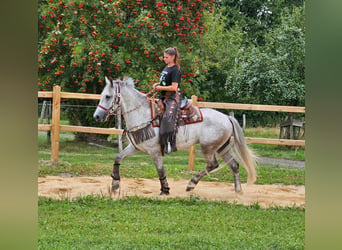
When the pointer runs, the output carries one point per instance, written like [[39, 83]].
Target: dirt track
[[266, 195]]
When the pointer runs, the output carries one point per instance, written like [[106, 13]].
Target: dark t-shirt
[[169, 75]]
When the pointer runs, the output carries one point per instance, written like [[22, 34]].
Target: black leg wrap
[[196, 179], [115, 175], [164, 186], [234, 167]]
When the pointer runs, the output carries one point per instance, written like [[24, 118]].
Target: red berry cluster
[[80, 43]]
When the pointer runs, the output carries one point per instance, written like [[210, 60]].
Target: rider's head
[[171, 56]]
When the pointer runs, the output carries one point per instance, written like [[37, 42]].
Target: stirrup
[[168, 148], [185, 104]]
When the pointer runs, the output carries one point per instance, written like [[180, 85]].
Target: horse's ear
[[108, 81]]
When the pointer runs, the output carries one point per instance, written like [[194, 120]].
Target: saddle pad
[[188, 116]]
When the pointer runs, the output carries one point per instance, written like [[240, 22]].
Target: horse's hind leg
[[234, 166], [211, 165]]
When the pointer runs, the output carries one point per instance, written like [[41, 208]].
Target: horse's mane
[[128, 81]]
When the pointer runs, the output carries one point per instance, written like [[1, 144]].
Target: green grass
[[273, 151], [262, 132], [142, 223], [278, 151]]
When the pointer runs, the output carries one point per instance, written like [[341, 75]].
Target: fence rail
[[254, 107], [55, 126]]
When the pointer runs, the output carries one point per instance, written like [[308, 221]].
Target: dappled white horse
[[213, 134]]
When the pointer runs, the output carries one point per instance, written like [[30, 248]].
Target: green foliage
[[274, 73], [242, 70], [248, 72], [143, 223], [222, 47], [256, 18]]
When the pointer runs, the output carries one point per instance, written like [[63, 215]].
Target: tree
[[273, 73], [256, 17], [80, 42], [222, 49], [241, 71]]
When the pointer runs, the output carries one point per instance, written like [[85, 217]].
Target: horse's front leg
[[158, 162], [127, 151]]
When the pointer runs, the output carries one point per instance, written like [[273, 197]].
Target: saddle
[[185, 104], [189, 113]]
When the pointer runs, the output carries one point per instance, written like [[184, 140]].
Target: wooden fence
[[55, 126]]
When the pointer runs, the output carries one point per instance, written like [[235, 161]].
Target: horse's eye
[[108, 97]]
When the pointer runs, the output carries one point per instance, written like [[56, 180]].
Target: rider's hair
[[173, 51]]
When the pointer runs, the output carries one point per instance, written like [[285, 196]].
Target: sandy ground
[[265, 195]]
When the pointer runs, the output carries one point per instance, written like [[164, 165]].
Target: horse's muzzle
[[99, 116]]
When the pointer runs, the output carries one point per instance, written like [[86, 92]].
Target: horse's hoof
[[237, 187], [165, 191], [191, 186], [115, 185]]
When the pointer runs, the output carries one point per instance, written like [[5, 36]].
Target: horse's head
[[110, 100]]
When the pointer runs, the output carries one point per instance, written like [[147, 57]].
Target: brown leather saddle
[[189, 113]]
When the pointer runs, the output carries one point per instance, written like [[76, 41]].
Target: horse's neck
[[133, 113]]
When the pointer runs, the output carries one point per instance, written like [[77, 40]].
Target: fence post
[[193, 147], [43, 112], [56, 111], [48, 117]]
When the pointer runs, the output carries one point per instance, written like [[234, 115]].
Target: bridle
[[117, 101]]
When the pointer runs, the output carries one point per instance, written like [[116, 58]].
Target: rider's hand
[[155, 85]]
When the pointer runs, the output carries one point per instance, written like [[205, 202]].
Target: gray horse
[[214, 134]]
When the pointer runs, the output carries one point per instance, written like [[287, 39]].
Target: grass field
[[143, 223]]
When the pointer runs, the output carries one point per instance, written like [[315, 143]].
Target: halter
[[110, 111]]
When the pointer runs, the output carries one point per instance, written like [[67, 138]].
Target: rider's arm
[[172, 87]]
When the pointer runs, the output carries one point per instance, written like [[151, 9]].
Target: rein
[[110, 111]]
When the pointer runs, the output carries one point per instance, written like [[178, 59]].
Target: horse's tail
[[244, 154]]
